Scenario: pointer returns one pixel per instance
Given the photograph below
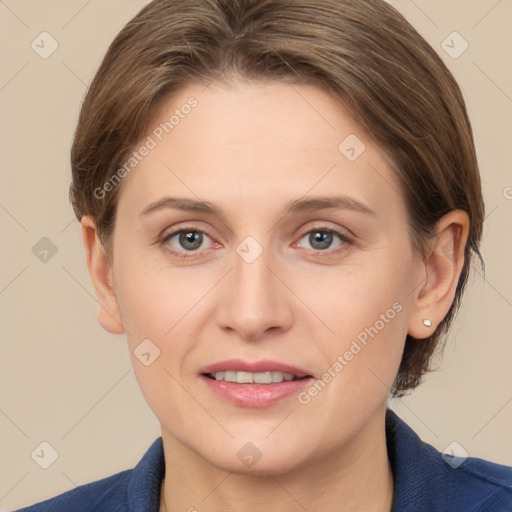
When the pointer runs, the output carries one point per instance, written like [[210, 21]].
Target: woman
[[280, 203]]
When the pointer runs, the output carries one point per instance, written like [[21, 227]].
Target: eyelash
[[321, 229]]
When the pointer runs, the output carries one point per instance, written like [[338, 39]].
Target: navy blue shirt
[[424, 481]]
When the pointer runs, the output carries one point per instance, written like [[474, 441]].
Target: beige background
[[67, 382]]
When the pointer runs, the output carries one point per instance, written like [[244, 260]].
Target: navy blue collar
[[146, 480]]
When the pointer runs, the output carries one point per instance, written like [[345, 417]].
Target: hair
[[363, 52]]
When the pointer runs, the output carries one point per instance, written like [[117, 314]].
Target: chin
[[272, 465], [257, 459]]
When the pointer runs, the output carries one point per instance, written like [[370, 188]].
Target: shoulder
[[426, 479], [105, 494], [492, 483], [136, 489]]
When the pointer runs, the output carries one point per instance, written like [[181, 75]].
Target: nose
[[255, 303]]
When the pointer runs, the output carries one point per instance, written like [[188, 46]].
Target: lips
[[262, 366], [243, 392]]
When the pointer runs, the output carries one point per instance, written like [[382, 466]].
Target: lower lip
[[256, 395]]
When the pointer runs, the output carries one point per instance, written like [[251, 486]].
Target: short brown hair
[[363, 52]]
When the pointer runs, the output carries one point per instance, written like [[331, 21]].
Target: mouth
[[241, 377], [254, 384]]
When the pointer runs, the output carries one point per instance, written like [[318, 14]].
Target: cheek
[[360, 364], [365, 309], [160, 331], [360, 295], [153, 300], [162, 312]]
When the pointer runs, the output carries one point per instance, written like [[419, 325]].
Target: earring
[[427, 322]]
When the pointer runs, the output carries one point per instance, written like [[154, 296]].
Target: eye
[[185, 240], [321, 239], [190, 242]]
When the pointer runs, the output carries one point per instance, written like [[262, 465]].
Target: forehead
[[247, 140]]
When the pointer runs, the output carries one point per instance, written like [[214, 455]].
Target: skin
[[251, 148]]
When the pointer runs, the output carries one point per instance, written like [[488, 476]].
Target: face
[[264, 227]]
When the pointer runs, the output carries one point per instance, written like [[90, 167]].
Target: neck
[[356, 477]]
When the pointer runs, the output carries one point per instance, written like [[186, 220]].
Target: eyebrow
[[298, 206]]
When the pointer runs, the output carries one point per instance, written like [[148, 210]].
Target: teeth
[[253, 378]]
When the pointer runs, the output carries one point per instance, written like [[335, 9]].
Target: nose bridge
[[251, 269], [255, 300], [253, 288]]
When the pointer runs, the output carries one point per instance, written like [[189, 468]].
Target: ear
[[440, 272], [100, 271]]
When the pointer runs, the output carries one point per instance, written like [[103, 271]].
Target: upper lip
[[264, 365]]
